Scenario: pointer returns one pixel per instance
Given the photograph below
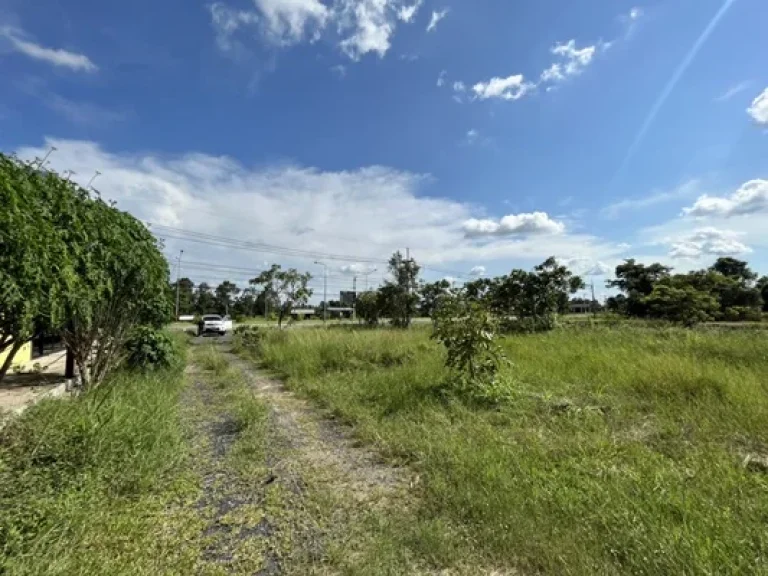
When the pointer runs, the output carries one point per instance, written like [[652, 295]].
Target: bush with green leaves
[[249, 338], [468, 331], [151, 349]]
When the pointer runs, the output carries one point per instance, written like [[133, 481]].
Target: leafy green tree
[[733, 268], [225, 294], [288, 287], [682, 303], [205, 300], [368, 307], [399, 296], [121, 282], [431, 293], [762, 285], [636, 281], [186, 296], [34, 265]]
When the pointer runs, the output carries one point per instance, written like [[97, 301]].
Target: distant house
[[584, 306], [302, 313]]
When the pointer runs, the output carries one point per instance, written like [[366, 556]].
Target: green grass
[[85, 484], [620, 451]]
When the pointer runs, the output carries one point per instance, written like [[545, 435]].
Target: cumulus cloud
[[477, 271], [435, 19], [509, 88], [513, 224], [750, 198], [55, 56], [708, 242], [758, 111], [441, 78]]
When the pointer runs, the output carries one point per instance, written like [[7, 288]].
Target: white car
[[214, 323]]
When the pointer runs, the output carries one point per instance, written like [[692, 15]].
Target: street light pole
[[178, 275], [325, 290], [366, 274]]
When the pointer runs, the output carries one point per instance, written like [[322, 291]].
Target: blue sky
[[482, 135]]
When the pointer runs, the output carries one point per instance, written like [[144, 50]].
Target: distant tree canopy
[[73, 264], [287, 287], [725, 291]]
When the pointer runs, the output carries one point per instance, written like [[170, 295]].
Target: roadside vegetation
[[612, 450], [86, 483]]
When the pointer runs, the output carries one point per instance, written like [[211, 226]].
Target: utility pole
[[592, 304], [325, 290], [178, 277]]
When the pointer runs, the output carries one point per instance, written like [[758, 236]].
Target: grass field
[[620, 450], [110, 482]]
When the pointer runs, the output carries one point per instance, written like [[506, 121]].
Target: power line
[[213, 240]]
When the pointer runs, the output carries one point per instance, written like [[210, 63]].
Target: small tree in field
[[468, 330], [367, 308], [288, 287], [399, 296]]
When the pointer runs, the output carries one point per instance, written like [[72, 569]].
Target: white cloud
[[340, 70], [363, 26], [513, 224], [408, 13], [459, 86], [477, 271], [57, 57], [435, 19], [685, 190], [510, 88], [287, 22], [573, 61], [373, 27], [472, 136], [598, 269], [750, 198], [708, 242], [732, 91], [759, 109], [441, 78], [635, 13], [357, 269]]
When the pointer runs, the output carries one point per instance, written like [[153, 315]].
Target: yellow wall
[[23, 355]]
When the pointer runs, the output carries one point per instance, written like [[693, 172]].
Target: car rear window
[[211, 317]]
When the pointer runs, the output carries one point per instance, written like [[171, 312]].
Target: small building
[[302, 313], [583, 306]]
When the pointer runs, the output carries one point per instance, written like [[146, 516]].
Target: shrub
[[468, 331], [249, 338], [151, 349]]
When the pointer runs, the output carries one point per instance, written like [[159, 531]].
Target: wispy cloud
[[734, 90], [55, 56], [435, 19], [688, 189], [665, 93], [84, 113]]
